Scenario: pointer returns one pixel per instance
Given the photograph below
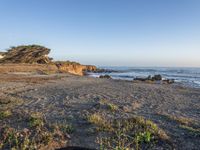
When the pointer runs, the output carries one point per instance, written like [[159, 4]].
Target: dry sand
[[64, 98]]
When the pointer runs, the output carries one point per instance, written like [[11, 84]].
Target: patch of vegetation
[[95, 119], [38, 135], [127, 134], [36, 120], [7, 103], [99, 121], [103, 101], [181, 120], [25, 139], [112, 107], [187, 124], [27, 54], [5, 114], [67, 128]]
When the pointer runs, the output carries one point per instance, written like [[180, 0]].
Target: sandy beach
[[69, 99]]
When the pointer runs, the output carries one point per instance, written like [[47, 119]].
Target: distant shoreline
[[186, 76]]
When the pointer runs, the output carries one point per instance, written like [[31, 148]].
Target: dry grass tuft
[[181, 120], [98, 120], [36, 120], [110, 106], [5, 114], [192, 130]]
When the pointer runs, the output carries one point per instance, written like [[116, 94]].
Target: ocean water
[[184, 76]]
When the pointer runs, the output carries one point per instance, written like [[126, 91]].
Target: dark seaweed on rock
[[27, 54]]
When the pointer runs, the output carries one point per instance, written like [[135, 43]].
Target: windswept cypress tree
[[27, 54]]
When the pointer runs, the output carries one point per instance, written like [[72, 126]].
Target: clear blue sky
[[107, 32]]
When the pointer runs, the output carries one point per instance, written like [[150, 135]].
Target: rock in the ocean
[[169, 81], [140, 79], [99, 70], [149, 78], [105, 76], [157, 77]]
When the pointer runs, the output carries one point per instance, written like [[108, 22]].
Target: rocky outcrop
[[26, 54], [36, 55], [74, 68], [90, 68], [168, 81], [51, 68], [155, 79]]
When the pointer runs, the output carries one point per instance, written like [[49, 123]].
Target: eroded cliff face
[[61, 67], [74, 68], [52, 68], [91, 68]]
